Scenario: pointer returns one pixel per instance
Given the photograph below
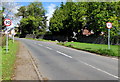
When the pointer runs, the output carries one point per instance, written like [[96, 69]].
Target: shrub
[[70, 45]]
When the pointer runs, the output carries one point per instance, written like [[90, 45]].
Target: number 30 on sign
[[109, 25], [7, 22]]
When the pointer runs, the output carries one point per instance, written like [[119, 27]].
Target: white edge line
[[63, 54], [88, 52], [99, 69]]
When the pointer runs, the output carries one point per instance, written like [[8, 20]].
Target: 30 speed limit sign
[[7, 22], [109, 25]]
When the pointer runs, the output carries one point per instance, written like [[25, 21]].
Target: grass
[[0, 63], [101, 49], [8, 60]]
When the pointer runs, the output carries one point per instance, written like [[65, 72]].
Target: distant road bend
[[61, 63]]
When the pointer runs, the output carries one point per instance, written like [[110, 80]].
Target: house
[[87, 32]]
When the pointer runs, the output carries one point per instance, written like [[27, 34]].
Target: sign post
[[7, 22], [109, 26], [7, 42], [13, 33]]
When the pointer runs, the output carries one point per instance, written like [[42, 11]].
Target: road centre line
[[49, 48], [115, 59], [84, 62], [91, 66], [34, 42], [64, 54], [40, 44], [99, 69]]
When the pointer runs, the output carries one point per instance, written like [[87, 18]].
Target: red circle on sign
[[109, 25], [7, 20]]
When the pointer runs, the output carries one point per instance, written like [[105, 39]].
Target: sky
[[48, 6]]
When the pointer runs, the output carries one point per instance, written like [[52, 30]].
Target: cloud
[[10, 11], [50, 11], [15, 9]]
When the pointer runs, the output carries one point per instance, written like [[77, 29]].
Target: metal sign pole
[[109, 26], [7, 43], [7, 22], [13, 38], [108, 38]]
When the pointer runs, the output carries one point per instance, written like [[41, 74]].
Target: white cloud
[[12, 8], [15, 9], [51, 9]]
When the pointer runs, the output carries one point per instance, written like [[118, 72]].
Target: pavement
[[24, 66], [62, 63]]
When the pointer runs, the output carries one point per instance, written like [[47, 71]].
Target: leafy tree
[[33, 18], [73, 16], [61, 22], [101, 13], [22, 12], [1, 19]]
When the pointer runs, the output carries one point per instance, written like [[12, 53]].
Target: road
[[62, 63]]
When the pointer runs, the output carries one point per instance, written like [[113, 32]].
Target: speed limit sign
[[109, 25], [7, 22]]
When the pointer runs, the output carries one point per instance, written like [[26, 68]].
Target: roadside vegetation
[[75, 16], [8, 60], [0, 59], [101, 49]]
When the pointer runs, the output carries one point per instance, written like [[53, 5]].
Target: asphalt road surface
[[62, 63]]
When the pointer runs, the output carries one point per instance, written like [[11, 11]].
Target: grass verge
[[8, 60], [94, 48], [0, 63]]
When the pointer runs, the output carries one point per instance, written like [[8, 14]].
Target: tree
[[33, 16], [74, 16], [22, 12], [61, 22], [101, 13], [1, 20]]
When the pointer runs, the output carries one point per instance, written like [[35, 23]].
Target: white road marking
[[115, 59], [64, 54], [99, 69], [40, 44], [87, 52], [49, 48]]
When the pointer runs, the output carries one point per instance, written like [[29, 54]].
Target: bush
[[71, 45], [61, 43]]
